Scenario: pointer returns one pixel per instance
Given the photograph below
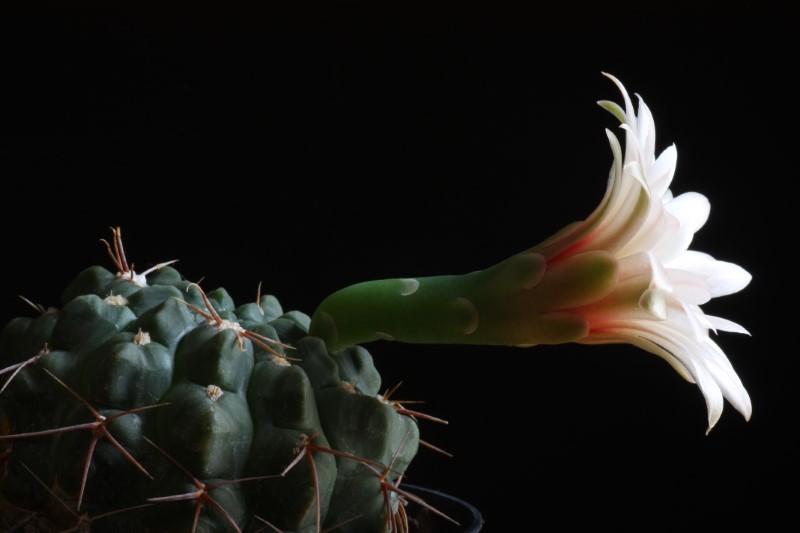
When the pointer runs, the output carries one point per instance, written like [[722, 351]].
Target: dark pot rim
[[467, 515]]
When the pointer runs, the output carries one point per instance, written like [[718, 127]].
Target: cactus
[[144, 404], [148, 405]]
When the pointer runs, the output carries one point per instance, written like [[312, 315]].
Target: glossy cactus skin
[[215, 411]]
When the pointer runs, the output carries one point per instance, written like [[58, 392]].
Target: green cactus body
[[194, 402]]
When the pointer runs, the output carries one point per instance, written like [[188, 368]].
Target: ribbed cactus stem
[[507, 304], [143, 385]]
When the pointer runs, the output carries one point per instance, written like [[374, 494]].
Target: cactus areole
[[146, 404]]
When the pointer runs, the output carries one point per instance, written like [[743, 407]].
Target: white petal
[[698, 330], [702, 362], [627, 209], [730, 278], [709, 361], [711, 392], [660, 277], [623, 334], [575, 232], [663, 170], [651, 231], [644, 263], [689, 287], [634, 151], [694, 261], [630, 114], [616, 184], [718, 365], [725, 325], [615, 221], [634, 168], [721, 278], [691, 211], [646, 128], [704, 321]]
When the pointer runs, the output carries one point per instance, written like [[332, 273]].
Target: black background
[[315, 159]]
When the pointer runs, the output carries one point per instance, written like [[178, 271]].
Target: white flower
[[655, 302], [623, 275]]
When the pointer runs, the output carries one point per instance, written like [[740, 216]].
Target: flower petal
[[663, 170], [646, 129], [711, 392], [703, 363], [689, 287], [613, 108], [721, 278], [725, 325], [691, 210], [654, 302], [730, 278], [628, 104]]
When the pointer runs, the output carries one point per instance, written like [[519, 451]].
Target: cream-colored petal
[[634, 151], [623, 333], [705, 355], [645, 263], [728, 379], [629, 112], [698, 362], [711, 392], [663, 170], [651, 230], [625, 218], [724, 324], [694, 261], [577, 233], [691, 210], [730, 278], [646, 129], [721, 278], [689, 287], [697, 327]]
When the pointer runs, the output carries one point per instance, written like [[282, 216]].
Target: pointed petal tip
[[744, 276], [713, 418], [610, 76], [728, 278], [746, 408], [742, 403]]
